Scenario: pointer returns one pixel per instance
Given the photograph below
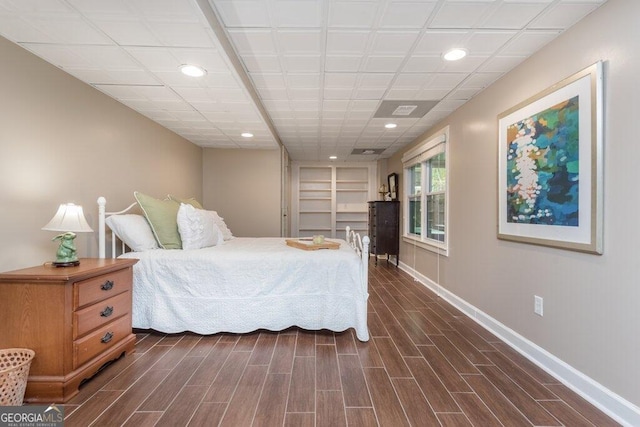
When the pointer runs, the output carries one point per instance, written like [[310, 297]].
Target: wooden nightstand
[[75, 318]]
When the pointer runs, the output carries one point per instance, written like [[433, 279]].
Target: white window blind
[[424, 151]]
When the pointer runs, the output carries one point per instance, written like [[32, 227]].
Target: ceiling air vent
[[404, 109], [367, 151]]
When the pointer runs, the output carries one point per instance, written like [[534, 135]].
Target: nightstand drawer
[[94, 316], [101, 287], [101, 340]]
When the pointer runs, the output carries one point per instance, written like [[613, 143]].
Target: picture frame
[[550, 172], [392, 181]]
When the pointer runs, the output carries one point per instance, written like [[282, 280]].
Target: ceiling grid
[[307, 74]]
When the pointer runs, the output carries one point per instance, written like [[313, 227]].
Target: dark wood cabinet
[[384, 229]]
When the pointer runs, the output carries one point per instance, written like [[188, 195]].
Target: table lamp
[[70, 220]]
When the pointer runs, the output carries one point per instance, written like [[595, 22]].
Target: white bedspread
[[247, 284]]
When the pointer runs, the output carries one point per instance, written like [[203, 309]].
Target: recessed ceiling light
[[391, 125], [246, 135], [192, 70], [454, 54], [333, 157]]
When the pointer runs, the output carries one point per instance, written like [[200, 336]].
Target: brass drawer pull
[[108, 311], [107, 337], [107, 286]]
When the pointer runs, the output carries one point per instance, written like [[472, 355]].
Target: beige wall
[[243, 186], [64, 141], [591, 303]]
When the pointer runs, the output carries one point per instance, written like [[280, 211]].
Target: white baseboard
[[618, 408]]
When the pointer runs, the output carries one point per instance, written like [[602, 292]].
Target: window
[[426, 193]]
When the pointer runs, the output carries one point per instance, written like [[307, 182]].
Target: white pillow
[[226, 233], [133, 230], [197, 228]]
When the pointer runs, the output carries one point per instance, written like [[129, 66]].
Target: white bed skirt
[[249, 284]]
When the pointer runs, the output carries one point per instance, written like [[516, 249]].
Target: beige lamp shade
[[69, 217]]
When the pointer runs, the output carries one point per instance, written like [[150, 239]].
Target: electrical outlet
[[538, 305]]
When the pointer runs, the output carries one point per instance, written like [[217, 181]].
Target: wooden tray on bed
[[308, 245]]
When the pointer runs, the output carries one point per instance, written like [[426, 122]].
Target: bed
[[245, 284]]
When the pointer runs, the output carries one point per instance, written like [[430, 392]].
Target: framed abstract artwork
[[550, 178]]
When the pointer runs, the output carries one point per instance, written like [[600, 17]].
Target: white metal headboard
[[360, 244], [102, 229]]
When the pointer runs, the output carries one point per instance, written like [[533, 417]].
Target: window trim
[[420, 154]]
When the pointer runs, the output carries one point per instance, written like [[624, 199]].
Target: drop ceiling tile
[[177, 79], [300, 105], [267, 93], [400, 94], [501, 64], [166, 9], [363, 115], [310, 80], [128, 31], [382, 64], [563, 15], [528, 42], [375, 80], [466, 65], [253, 41], [352, 14], [369, 93], [71, 29], [243, 13], [262, 63], [181, 34], [512, 15], [278, 105], [460, 14], [16, 29], [340, 79], [371, 106], [51, 6], [302, 64], [480, 80], [170, 59], [61, 55], [188, 116], [423, 64], [399, 14], [347, 41], [337, 93], [396, 43], [122, 92], [446, 80], [297, 13], [299, 41], [268, 80], [465, 94], [487, 42], [156, 93], [333, 114], [132, 77], [411, 80], [304, 94], [335, 63], [436, 42], [449, 104]]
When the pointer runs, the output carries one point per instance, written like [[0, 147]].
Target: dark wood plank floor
[[425, 365]]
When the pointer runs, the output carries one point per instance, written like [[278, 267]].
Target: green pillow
[[162, 217], [192, 201]]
